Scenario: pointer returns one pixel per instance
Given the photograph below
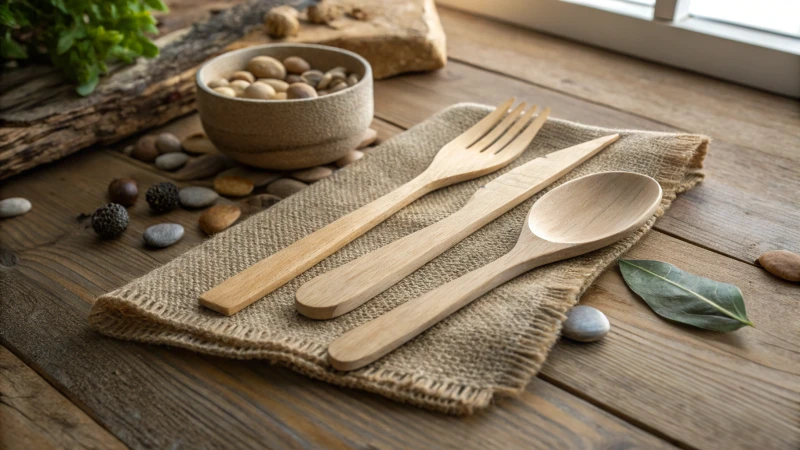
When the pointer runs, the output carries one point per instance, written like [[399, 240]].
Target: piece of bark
[[42, 119]]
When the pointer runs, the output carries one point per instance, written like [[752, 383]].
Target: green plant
[[78, 36]]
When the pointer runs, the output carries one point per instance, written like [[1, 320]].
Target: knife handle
[[349, 286]]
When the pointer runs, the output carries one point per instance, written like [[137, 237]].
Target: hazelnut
[[296, 64], [300, 90], [219, 83], [243, 75], [226, 91], [266, 67], [278, 85], [145, 149], [123, 191], [282, 21], [259, 91]]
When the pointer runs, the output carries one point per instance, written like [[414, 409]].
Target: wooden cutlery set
[[578, 217]]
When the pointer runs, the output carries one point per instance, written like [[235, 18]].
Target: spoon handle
[[374, 339]]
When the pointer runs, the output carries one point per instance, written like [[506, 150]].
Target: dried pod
[[324, 12], [296, 64], [300, 90], [226, 91], [243, 75], [312, 77], [219, 83], [278, 85], [282, 21], [259, 91], [781, 263], [266, 67]]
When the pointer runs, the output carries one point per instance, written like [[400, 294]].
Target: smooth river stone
[[285, 187], [313, 174], [585, 324], [14, 206], [197, 197], [350, 158], [233, 186], [369, 137], [204, 167], [163, 235], [219, 217], [171, 161], [263, 200], [259, 177], [198, 144]]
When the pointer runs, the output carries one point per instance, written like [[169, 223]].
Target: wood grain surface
[[649, 384], [33, 414]]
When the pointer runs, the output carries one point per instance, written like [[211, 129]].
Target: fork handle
[[270, 273], [349, 286], [372, 340]]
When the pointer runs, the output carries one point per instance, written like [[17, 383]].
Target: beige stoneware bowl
[[286, 134]]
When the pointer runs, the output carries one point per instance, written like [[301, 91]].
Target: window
[[752, 42]]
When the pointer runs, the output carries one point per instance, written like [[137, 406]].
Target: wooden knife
[[349, 286]]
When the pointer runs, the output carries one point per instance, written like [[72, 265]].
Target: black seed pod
[[110, 220], [162, 197]]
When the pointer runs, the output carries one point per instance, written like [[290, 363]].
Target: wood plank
[[764, 360], [152, 396], [746, 205], [680, 99], [704, 389], [34, 415]]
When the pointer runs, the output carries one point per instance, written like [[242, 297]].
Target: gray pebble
[[163, 235], [168, 143], [285, 187], [14, 206], [586, 324], [171, 161], [197, 197]]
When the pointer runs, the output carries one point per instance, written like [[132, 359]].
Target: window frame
[[665, 34]]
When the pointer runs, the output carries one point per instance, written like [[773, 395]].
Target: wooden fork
[[487, 146]]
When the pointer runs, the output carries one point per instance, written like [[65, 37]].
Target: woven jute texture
[[492, 347]]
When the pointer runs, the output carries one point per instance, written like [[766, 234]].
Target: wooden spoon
[[576, 218]]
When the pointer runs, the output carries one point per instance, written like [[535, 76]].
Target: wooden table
[[650, 383]]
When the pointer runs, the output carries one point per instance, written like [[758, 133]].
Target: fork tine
[[499, 129], [513, 132], [475, 132], [520, 143]]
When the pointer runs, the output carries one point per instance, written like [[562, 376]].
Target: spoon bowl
[[578, 217], [595, 208]]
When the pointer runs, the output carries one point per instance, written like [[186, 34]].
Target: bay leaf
[[684, 297]]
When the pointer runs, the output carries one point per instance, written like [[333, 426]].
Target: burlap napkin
[[493, 346]]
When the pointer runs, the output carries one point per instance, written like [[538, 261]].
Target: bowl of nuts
[[285, 106]]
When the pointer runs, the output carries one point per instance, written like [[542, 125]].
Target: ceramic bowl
[[286, 134]]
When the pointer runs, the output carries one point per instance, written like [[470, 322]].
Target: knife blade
[[349, 286]]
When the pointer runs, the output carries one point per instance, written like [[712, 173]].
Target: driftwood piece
[[42, 119]]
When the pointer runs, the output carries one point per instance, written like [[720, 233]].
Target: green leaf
[[66, 40], [157, 5], [10, 49], [88, 86], [684, 297]]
